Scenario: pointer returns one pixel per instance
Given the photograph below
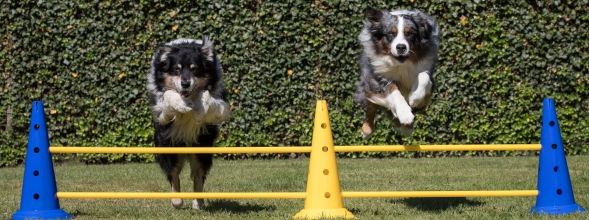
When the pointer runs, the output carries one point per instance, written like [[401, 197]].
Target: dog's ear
[[373, 15], [163, 64], [207, 49], [428, 27], [164, 50]]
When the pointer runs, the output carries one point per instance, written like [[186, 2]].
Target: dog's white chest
[[404, 74], [187, 127]]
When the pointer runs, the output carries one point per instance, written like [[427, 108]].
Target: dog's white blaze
[[400, 38]]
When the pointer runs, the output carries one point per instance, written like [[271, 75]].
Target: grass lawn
[[484, 173]]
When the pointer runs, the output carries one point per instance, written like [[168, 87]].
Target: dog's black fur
[[188, 102], [397, 62]]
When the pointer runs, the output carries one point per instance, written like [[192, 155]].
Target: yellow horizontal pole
[[178, 150], [467, 147], [292, 195], [414, 194], [290, 149], [156, 195]]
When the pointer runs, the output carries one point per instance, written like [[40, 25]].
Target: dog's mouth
[[185, 93], [401, 59]]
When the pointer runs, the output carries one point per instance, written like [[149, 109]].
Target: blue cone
[[39, 191], [555, 192]]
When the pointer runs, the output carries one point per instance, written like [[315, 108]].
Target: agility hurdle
[[323, 196]]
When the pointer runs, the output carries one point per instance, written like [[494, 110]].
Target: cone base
[[41, 214], [324, 213], [557, 210]]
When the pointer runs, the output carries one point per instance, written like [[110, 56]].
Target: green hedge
[[88, 62]]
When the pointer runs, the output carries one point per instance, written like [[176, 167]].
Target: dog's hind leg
[[172, 165], [198, 175], [174, 178], [368, 125]]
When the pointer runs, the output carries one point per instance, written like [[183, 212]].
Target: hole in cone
[[36, 196], [556, 169], [36, 126], [324, 148], [551, 123], [554, 146], [327, 195], [36, 150], [559, 191], [326, 171]]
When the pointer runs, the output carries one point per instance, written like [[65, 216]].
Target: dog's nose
[[185, 84], [401, 48]]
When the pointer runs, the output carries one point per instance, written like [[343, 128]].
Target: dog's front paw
[[416, 98], [174, 101], [404, 114], [420, 94], [205, 100], [201, 107]]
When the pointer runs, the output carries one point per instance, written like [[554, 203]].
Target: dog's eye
[[176, 69], [408, 31], [193, 68], [390, 36]]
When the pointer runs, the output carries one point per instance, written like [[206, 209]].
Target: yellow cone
[[324, 194]]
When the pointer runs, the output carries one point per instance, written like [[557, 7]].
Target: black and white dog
[[188, 102], [399, 54]]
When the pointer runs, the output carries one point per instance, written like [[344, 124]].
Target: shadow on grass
[[229, 206], [437, 204]]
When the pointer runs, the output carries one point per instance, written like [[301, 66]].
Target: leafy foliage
[[88, 62]]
